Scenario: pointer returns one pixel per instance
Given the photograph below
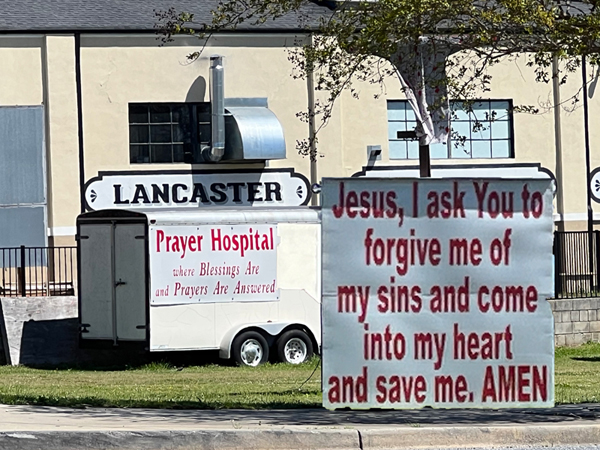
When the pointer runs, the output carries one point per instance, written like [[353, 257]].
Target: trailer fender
[[271, 329]]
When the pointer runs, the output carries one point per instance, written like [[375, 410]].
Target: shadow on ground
[[54, 344], [322, 417]]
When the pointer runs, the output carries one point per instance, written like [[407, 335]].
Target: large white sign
[[175, 189], [512, 170], [435, 293], [213, 263]]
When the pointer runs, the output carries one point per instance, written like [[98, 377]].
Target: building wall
[[60, 99], [21, 70], [119, 69]]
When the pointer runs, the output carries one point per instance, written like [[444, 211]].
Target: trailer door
[[130, 281], [113, 281], [95, 272]]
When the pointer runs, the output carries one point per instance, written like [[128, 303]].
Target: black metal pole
[[424, 159], [588, 170], [424, 156], [80, 121], [22, 284]]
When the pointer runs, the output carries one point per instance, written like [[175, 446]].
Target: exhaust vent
[[246, 131], [253, 131], [215, 152]]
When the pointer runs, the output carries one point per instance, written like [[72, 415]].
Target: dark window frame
[[189, 131], [450, 146]]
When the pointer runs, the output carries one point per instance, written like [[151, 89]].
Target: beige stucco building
[[90, 91]]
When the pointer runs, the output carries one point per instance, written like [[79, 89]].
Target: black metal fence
[[52, 271], [38, 271], [576, 271]]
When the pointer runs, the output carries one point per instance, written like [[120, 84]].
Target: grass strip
[[162, 385], [576, 374]]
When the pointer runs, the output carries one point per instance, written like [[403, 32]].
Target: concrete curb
[[183, 440], [473, 436], [318, 438]]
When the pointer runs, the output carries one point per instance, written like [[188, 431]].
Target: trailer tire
[[250, 349], [294, 347]]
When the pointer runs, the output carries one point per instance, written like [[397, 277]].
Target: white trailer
[[242, 281]]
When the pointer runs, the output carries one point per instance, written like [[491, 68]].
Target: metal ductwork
[[253, 131], [215, 152], [246, 131]]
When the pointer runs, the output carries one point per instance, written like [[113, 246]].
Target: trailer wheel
[[294, 347], [250, 349]]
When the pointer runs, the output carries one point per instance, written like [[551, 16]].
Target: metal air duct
[[215, 152]]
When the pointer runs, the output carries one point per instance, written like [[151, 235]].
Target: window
[[23, 204], [168, 132], [486, 131]]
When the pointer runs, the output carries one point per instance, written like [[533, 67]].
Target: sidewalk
[[31, 427]]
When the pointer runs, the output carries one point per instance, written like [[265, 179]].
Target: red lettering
[[537, 204], [381, 389], [390, 200], [351, 203], [364, 202], [494, 203], [507, 299], [420, 388], [489, 387], [488, 346], [525, 198], [540, 383], [348, 388], [160, 236], [461, 389], [338, 210], [506, 381], [523, 383], [400, 388], [480, 195]]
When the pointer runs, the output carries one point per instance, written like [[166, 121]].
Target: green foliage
[[156, 366], [357, 41]]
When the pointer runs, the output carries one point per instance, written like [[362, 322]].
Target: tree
[[439, 49]]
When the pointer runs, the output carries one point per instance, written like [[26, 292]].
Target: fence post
[[597, 259], [22, 273], [556, 254]]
